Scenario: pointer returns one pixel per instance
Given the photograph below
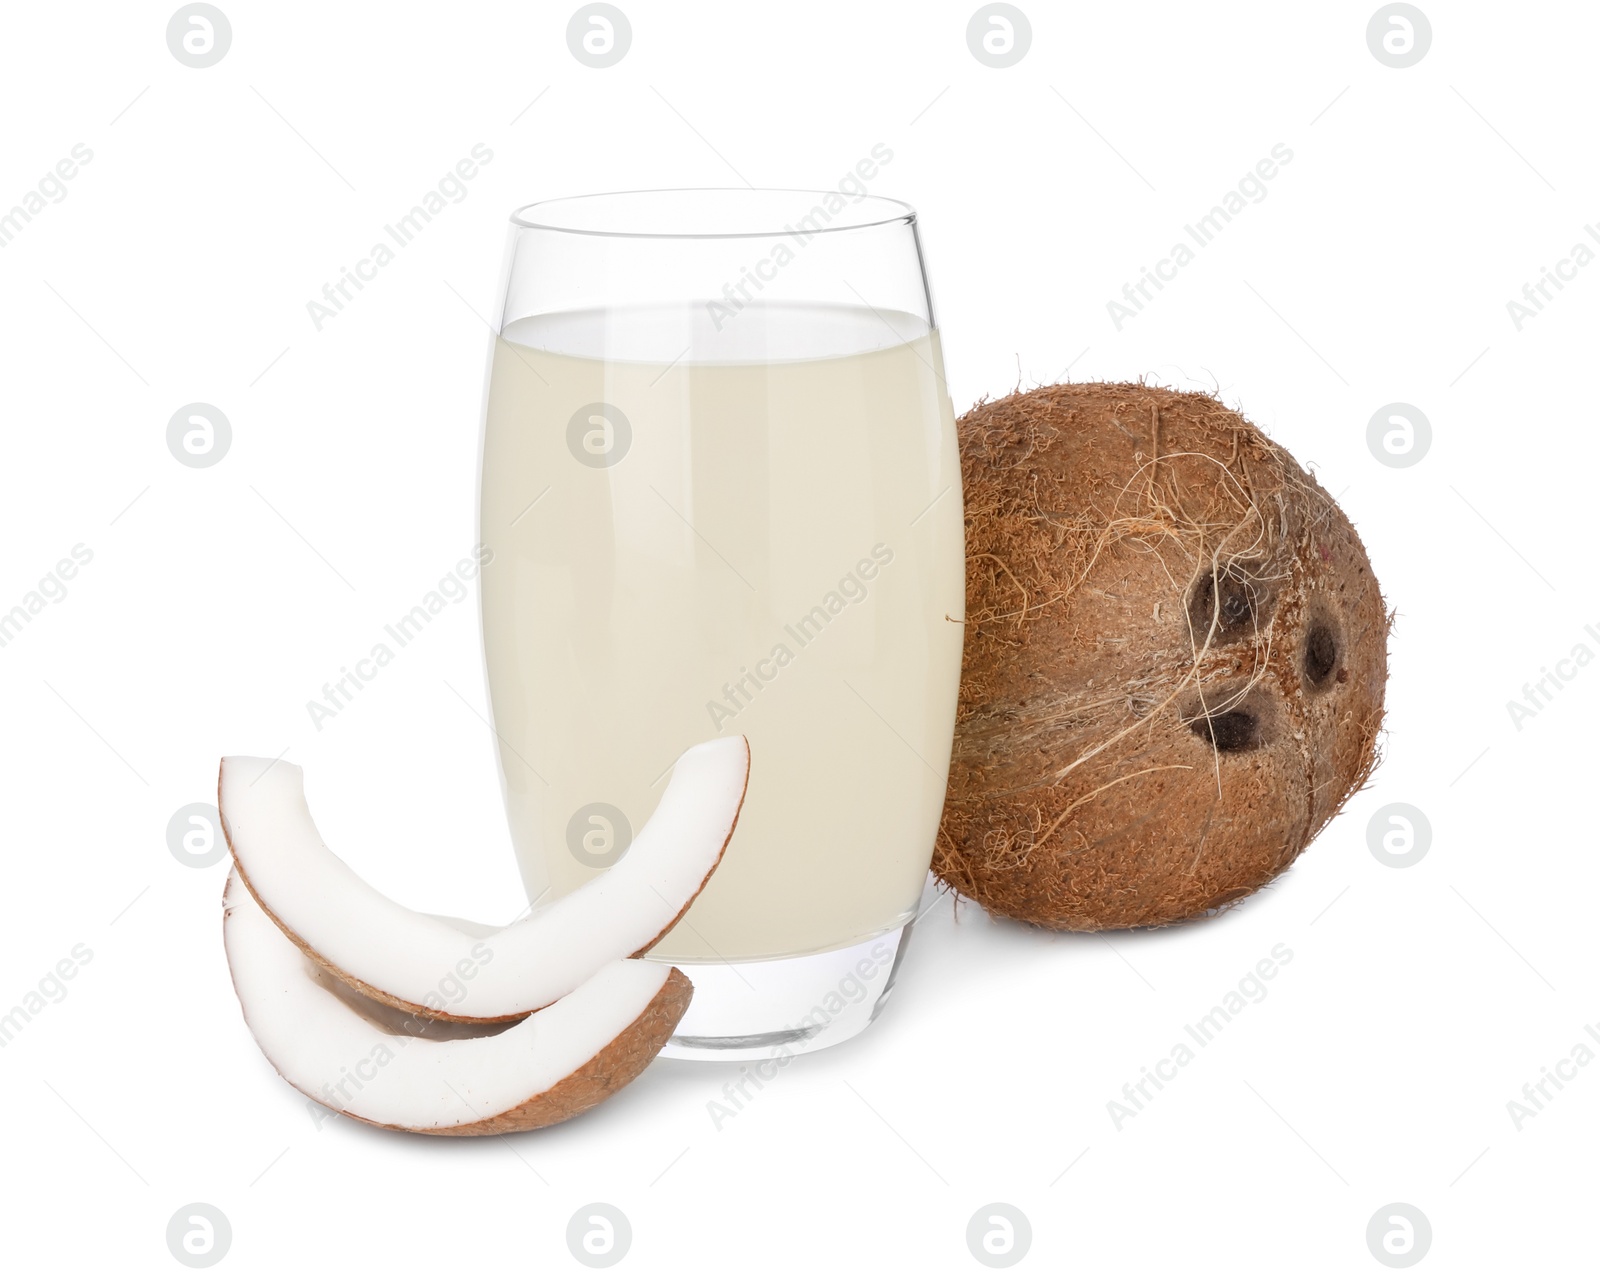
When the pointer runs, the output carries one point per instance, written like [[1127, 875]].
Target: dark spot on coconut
[[1228, 731], [1233, 717], [1322, 654], [1232, 598]]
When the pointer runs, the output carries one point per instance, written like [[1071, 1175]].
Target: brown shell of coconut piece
[[1174, 661], [618, 1063]]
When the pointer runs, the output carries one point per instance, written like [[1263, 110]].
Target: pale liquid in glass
[[776, 550]]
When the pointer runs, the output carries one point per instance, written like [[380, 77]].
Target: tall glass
[[721, 486]]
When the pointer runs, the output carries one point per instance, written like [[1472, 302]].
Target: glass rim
[[529, 217]]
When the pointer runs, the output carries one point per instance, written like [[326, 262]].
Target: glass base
[[783, 1006]]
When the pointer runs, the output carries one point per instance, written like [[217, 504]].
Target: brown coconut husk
[[1174, 662]]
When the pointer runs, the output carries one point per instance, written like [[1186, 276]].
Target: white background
[[177, 269]]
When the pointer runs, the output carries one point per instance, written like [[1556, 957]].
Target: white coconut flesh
[[403, 957], [366, 1060]]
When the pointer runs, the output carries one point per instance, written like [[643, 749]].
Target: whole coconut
[[1174, 662]]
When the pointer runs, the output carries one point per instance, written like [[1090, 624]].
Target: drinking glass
[[721, 488]]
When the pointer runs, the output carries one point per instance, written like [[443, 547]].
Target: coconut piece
[[378, 1065], [1174, 662], [401, 957]]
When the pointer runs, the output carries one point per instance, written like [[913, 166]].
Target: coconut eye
[[1228, 595], [1231, 718], [1228, 731], [1322, 655]]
